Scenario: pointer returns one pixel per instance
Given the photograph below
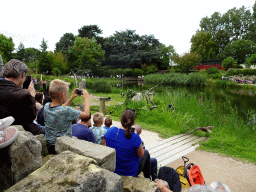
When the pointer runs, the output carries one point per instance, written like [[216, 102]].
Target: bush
[[213, 70], [137, 72], [228, 62], [128, 72], [101, 86], [152, 69], [238, 66], [232, 72], [56, 72], [216, 76], [203, 71]]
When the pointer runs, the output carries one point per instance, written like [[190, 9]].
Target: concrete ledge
[[104, 156]]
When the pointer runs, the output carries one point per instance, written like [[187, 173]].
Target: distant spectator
[[15, 101], [108, 123], [81, 130], [58, 116], [97, 129]]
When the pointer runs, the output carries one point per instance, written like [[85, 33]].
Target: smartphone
[[27, 82], [79, 92]]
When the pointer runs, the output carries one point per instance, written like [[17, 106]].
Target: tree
[[251, 35], [228, 63], [239, 50], [44, 64], [91, 31], [88, 53], [66, 41], [31, 55], [187, 60], [6, 48], [203, 44], [21, 52], [252, 60], [163, 59], [57, 61]]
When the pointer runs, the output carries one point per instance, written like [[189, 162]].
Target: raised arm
[[86, 112]]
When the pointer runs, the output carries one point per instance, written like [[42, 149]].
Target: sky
[[171, 22]]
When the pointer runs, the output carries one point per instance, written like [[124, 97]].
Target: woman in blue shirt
[[127, 144]]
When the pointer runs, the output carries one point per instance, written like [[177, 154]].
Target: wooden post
[[102, 106]]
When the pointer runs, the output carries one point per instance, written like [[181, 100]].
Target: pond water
[[241, 99]]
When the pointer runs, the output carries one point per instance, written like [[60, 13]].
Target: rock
[[133, 184], [82, 84], [18, 127], [42, 140], [105, 156], [137, 97], [19, 159], [70, 172]]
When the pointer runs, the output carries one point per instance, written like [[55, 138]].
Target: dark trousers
[[51, 149], [153, 163], [144, 165]]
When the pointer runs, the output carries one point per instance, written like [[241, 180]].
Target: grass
[[231, 135]]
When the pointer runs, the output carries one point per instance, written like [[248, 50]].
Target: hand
[[31, 89], [73, 95], [161, 184], [85, 93]]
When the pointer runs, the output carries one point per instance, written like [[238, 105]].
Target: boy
[[81, 130], [97, 130], [108, 123], [58, 116]]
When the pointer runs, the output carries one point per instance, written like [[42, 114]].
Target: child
[[58, 116], [97, 130], [108, 123]]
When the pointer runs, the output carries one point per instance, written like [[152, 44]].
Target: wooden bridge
[[173, 148]]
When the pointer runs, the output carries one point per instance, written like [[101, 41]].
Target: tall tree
[[66, 41], [21, 52], [251, 35], [44, 64], [91, 31], [31, 55], [6, 48]]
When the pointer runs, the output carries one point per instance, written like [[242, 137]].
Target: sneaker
[[7, 136], [6, 122]]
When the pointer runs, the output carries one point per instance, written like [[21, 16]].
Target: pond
[[241, 99]]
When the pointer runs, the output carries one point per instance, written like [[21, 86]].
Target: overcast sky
[[172, 22]]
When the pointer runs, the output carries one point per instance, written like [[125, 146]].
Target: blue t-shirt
[[98, 133], [82, 132], [58, 121], [127, 161], [106, 128]]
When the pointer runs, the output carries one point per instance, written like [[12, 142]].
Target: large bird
[[205, 129]]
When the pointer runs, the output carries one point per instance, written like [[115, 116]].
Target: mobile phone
[[27, 82], [79, 92], [133, 129]]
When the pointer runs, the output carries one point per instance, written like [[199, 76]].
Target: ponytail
[[127, 120]]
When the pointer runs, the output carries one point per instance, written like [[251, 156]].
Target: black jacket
[[18, 103]]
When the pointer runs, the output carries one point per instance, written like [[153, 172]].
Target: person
[[127, 144], [162, 185], [40, 113], [81, 130], [39, 101], [108, 123], [15, 101], [58, 116], [97, 129], [7, 135], [153, 161]]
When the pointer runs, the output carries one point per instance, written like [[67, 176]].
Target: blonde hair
[[57, 87], [97, 118]]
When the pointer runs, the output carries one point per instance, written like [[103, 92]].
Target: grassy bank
[[230, 136]]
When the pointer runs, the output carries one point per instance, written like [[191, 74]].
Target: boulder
[[42, 140], [70, 172], [19, 159], [137, 97], [82, 84], [139, 184], [104, 156], [18, 127]]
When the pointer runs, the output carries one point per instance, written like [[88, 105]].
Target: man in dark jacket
[[15, 101]]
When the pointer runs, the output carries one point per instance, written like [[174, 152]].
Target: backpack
[[169, 175], [189, 175]]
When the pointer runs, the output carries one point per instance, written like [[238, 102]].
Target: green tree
[[163, 59], [228, 63], [6, 48], [88, 53], [239, 50], [252, 60], [21, 52], [251, 35], [91, 31], [203, 44], [44, 61], [187, 60], [57, 61], [31, 55], [66, 41]]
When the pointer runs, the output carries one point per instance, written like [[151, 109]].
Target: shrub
[[228, 62], [232, 72], [213, 70], [128, 72], [56, 72], [202, 71], [152, 69], [216, 76], [252, 60], [101, 86], [137, 72]]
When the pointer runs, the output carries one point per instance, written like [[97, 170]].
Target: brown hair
[[108, 122], [97, 119], [39, 97], [86, 119], [127, 120]]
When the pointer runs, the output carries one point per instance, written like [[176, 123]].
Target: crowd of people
[[49, 113]]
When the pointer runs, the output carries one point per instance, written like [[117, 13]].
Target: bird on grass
[[205, 129]]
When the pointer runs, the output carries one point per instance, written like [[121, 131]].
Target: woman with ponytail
[[127, 144]]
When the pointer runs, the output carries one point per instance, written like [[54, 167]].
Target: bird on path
[[205, 129]]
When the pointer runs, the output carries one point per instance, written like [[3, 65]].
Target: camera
[[133, 129], [79, 92]]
